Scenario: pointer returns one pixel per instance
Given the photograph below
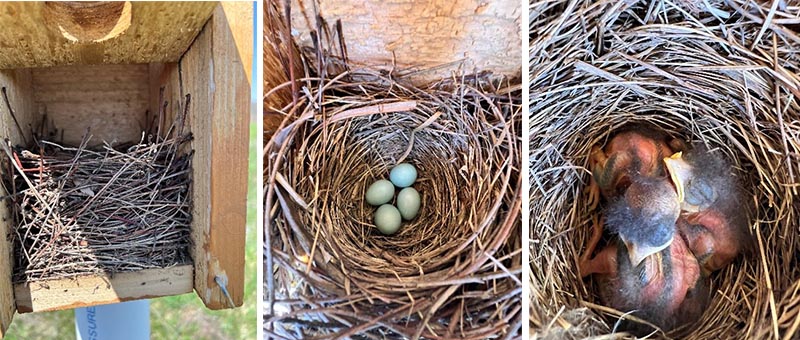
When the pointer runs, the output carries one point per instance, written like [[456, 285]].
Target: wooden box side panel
[[214, 73], [19, 87], [92, 290], [110, 100], [17, 84]]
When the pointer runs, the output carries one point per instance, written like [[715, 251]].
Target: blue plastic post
[[119, 321]]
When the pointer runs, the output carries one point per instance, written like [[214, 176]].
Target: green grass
[[174, 317]]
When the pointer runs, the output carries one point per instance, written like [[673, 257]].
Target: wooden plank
[[213, 73], [19, 86], [91, 290], [19, 89], [38, 34], [109, 99], [241, 30], [422, 34]]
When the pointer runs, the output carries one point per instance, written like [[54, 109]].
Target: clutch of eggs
[[388, 217]]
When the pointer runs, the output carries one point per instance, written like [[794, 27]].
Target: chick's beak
[[634, 254], [637, 254], [679, 171]]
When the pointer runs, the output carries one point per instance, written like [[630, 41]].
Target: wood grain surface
[[33, 34]]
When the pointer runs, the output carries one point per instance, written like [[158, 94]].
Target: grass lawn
[[174, 317]]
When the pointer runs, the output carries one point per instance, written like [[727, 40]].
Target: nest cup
[[695, 79], [451, 156], [452, 271], [464, 146]]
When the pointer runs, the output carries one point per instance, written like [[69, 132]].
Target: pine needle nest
[[80, 210], [723, 73], [453, 271]]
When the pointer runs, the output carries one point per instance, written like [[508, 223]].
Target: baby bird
[[665, 289], [715, 218], [700, 177], [644, 217], [627, 155], [643, 206]]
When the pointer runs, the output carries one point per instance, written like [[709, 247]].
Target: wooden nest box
[[103, 66]]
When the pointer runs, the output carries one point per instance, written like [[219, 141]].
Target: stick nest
[[454, 270], [723, 73], [81, 210]]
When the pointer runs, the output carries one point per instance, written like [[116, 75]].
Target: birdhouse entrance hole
[[92, 21]]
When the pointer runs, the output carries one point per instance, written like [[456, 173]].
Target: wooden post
[[214, 71]]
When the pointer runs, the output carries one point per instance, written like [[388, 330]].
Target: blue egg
[[403, 175]]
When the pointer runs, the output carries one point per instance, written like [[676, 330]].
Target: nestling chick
[[715, 218], [628, 154], [665, 289], [643, 204], [644, 217], [699, 176]]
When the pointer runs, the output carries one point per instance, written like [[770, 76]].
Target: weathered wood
[[19, 87], [101, 289], [423, 34], [109, 99], [17, 84], [241, 29], [215, 76], [37, 34]]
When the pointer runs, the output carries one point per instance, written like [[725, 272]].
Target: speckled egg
[[380, 192], [403, 175], [408, 203], [387, 219]]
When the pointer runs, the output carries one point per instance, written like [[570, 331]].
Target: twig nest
[[387, 219], [380, 192], [403, 175], [408, 203], [99, 201], [457, 136]]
